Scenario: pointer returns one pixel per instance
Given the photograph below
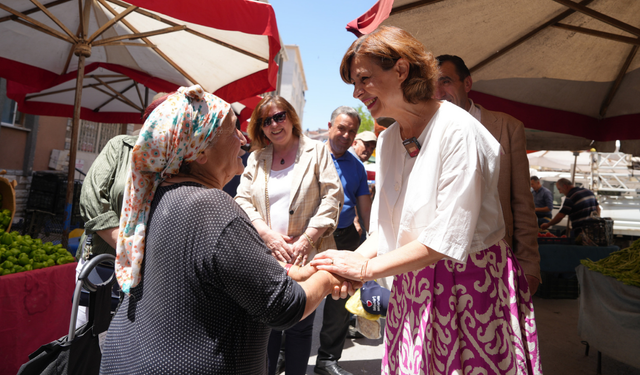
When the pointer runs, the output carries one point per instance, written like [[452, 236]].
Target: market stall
[[609, 317], [35, 308], [558, 263]]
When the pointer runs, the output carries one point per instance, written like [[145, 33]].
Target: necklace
[[266, 194], [282, 161]]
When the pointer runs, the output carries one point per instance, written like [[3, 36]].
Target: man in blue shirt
[[542, 200], [343, 128]]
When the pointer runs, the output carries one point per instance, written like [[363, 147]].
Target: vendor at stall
[[542, 200], [580, 204]]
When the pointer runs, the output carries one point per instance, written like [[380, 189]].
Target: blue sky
[[318, 28]]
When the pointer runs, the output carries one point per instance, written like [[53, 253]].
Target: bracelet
[[309, 239], [363, 269], [288, 267]]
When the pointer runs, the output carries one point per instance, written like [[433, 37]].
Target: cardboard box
[[59, 159]]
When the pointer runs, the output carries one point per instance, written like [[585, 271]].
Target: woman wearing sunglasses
[[292, 193]]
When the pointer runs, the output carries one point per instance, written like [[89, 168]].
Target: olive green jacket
[[103, 190]]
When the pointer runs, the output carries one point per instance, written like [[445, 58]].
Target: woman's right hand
[[347, 264], [278, 245]]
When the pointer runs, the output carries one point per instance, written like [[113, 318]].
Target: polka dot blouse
[[210, 292]]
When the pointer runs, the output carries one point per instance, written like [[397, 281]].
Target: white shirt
[[279, 187], [475, 111], [447, 196]]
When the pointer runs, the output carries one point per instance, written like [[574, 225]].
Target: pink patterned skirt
[[454, 318]]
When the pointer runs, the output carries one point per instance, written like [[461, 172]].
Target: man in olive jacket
[[513, 184]]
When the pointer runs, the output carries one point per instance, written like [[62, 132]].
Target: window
[[10, 114], [92, 136]]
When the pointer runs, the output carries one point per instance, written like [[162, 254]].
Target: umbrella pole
[[573, 171], [68, 207]]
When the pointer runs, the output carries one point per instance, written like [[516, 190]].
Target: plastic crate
[[558, 286], [599, 230], [45, 182], [555, 241], [48, 193], [62, 198], [41, 200]]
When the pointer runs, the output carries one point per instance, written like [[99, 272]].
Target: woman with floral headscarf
[[201, 288]]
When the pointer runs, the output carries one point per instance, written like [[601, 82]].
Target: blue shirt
[[353, 177], [543, 198], [579, 204]]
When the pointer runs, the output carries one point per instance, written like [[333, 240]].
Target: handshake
[[343, 271]]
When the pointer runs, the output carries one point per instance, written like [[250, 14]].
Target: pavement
[[561, 350], [360, 356]]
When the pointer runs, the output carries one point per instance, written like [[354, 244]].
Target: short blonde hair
[[258, 139], [385, 46]]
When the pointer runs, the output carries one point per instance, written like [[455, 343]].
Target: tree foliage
[[366, 121]]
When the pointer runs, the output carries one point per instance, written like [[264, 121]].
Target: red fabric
[[35, 309], [251, 102], [34, 77], [371, 175], [370, 21], [245, 115], [555, 120]]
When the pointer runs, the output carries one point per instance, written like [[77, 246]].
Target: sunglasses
[[278, 118]]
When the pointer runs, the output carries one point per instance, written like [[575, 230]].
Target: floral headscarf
[[177, 131]]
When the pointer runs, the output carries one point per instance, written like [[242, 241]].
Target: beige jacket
[[316, 195], [514, 189]]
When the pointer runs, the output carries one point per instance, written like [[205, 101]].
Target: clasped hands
[[288, 249], [346, 268]]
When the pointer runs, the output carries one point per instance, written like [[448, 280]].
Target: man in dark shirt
[[542, 200], [579, 204]]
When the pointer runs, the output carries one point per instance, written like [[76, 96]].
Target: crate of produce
[[558, 285], [599, 230]]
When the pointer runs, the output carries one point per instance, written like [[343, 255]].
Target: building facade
[[292, 83]]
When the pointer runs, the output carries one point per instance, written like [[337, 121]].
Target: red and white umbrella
[[226, 46], [245, 108], [110, 94]]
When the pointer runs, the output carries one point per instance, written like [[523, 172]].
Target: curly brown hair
[[385, 46], [258, 139]]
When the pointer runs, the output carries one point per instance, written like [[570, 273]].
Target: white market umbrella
[[226, 46], [562, 66]]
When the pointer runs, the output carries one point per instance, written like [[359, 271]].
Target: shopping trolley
[[79, 351]]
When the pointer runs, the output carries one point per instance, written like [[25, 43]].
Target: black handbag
[[78, 353]]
